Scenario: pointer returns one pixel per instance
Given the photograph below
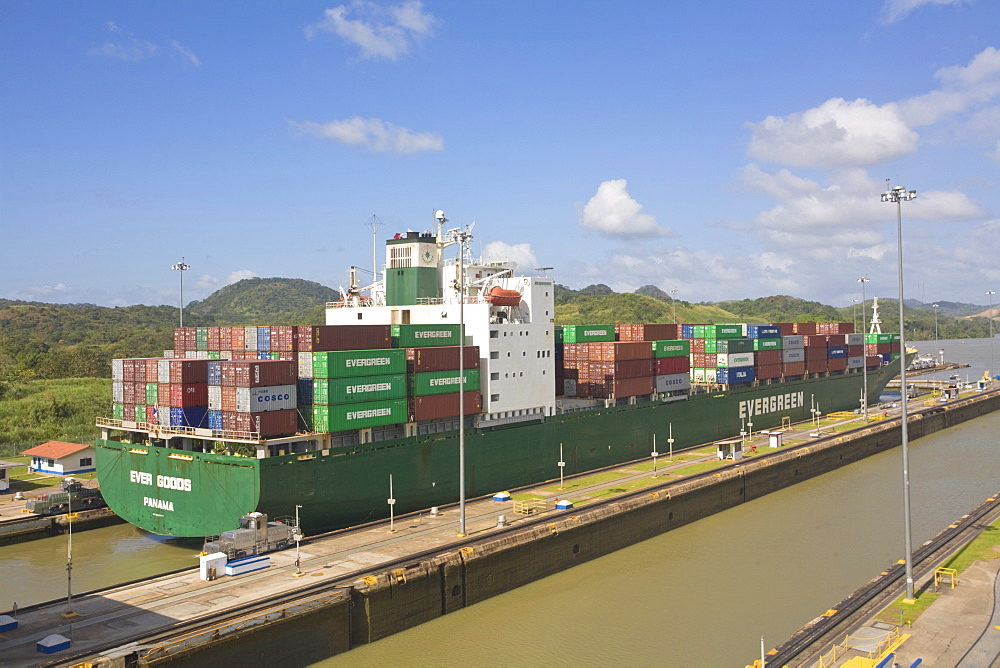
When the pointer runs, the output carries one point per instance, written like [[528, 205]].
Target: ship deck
[[166, 613]]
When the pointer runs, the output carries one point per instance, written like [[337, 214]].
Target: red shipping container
[[213, 337], [855, 351], [283, 338], [260, 373], [787, 328], [816, 365], [189, 371], [441, 358], [836, 339], [804, 328], [184, 395], [351, 337], [815, 341], [816, 353], [150, 371], [766, 371], [621, 369], [303, 338], [128, 392], [617, 388], [229, 399], [873, 361], [571, 351], [697, 345], [267, 424], [151, 414], [163, 394], [836, 363], [647, 332], [793, 368], [767, 357], [621, 350], [664, 366], [129, 412], [437, 406]]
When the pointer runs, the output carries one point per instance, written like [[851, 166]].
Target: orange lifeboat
[[500, 297]]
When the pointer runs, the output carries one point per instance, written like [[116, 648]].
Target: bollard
[[501, 521]]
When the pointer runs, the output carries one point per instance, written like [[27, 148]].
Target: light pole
[[898, 195], [854, 305], [69, 555], [864, 368], [298, 537], [181, 267], [673, 302], [935, 307], [990, 293]]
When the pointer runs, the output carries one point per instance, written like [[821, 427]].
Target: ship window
[[359, 316], [495, 376], [494, 397], [494, 354], [494, 334]]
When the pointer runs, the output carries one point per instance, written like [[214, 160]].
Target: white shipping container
[[710, 375], [215, 397], [305, 365], [117, 369], [855, 362], [855, 339], [262, 399], [168, 353], [793, 354], [118, 391], [796, 341], [201, 354], [251, 338], [163, 371], [698, 375], [672, 382], [190, 354], [729, 360]]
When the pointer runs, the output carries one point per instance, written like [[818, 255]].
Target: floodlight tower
[[181, 267]]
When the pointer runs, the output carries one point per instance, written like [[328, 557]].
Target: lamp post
[[181, 267], [298, 537], [898, 195], [990, 293], [673, 302], [935, 307], [854, 306], [864, 368]]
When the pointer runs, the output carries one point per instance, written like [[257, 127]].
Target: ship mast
[[876, 327]]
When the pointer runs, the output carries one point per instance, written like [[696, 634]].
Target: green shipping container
[[354, 363], [118, 411], [711, 345], [140, 412], [444, 382], [201, 338], [588, 333], [766, 344], [214, 355], [332, 391], [672, 348], [880, 338], [559, 335], [359, 416], [734, 346], [724, 332], [152, 393], [422, 336]]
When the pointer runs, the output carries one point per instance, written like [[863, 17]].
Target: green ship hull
[[184, 493]]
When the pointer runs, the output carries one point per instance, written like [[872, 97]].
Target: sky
[[728, 150]]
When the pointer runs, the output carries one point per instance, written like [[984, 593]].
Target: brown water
[[702, 595]]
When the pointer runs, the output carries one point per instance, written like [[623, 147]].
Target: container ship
[[319, 419]]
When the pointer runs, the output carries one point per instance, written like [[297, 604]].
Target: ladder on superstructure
[[876, 325]]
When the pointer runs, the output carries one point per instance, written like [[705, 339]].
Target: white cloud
[[185, 53], [372, 133], [894, 10], [612, 212], [836, 133], [961, 89], [36, 292], [209, 284], [520, 254], [379, 32], [125, 46]]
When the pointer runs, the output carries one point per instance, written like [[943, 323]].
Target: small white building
[[61, 458], [5, 476]]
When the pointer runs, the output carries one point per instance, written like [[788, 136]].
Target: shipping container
[[878, 338], [588, 333], [836, 352], [735, 375], [214, 372], [597, 371], [353, 363], [250, 338], [728, 331], [789, 355], [262, 399], [855, 362], [647, 332], [767, 344], [188, 371], [793, 368], [191, 416], [731, 360], [228, 399], [118, 411], [342, 417], [698, 375], [262, 373], [283, 338], [185, 395], [836, 363], [671, 348], [444, 382], [419, 336], [768, 371], [793, 341], [268, 424], [214, 398], [611, 351], [763, 332], [152, 391], [332, 391], [215, 419], [304, 338], [672, 382], [305, 364], [666, 366], [734, 346], [765, 357], [804, 328], [349, 337], [438, 406], [616, 388], [854, 339], [441, 358], [816, 365]]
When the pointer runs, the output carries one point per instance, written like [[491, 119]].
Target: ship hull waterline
[[184, 493]]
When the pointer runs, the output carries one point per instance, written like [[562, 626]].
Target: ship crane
[[353, 295]]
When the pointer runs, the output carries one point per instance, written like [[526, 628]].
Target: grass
[[697, 468], [911, 611], [35, 411], [597, 479]]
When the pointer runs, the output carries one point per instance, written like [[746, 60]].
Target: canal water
[[703, 594]]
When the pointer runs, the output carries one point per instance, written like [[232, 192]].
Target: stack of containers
[[574, 351], [793, 353], [885, 346], [724, 352], [855, 350], [256, 396], [433, 379], [183, 399], [836, 352], [647, 332], [817, 351], [560, 374], [767, 348], [614, 369], [364, 387], [671, 365]]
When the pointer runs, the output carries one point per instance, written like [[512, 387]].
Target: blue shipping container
[[733, 375], [304, 388], [687, 331], [215, 372], [215, 420], [837, 351], [763, 332], [264, 338], [193, 416]]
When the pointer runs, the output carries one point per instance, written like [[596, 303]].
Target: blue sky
[[729, 149]]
